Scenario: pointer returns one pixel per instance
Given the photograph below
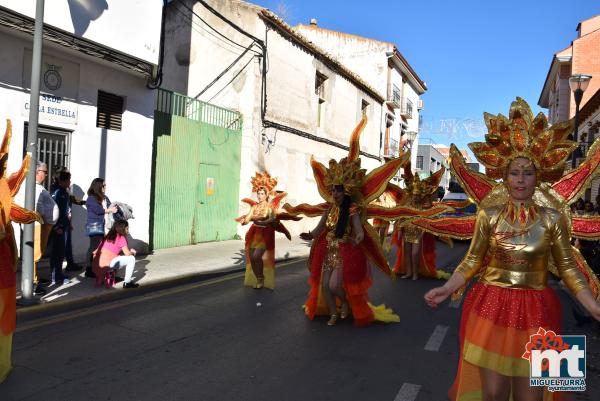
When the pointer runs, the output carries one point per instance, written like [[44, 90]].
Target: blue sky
[[475, 56]]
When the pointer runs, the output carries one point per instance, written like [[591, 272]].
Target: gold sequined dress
[[510, 251], [261, 237]]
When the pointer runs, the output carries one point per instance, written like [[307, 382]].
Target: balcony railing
[[395, 96], [407, 108], [393, 148]]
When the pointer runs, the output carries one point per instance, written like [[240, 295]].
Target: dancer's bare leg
[[329, 296], [494, 386], [522, 391], [415, 259], [256, 261], [407, 260], [336, 287]]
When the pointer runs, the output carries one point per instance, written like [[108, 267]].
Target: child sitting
[[107, 256]]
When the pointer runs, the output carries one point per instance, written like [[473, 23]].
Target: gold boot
[[332, 320], [260, 283]]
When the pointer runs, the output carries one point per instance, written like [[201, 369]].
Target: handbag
[[94, 229]]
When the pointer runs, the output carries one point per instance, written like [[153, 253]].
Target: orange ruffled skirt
[[261, 238], [495, 326], [8, 305], [356, 280]]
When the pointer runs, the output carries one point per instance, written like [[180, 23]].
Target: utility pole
[[34, 102]]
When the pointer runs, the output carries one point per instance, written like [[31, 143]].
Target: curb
[[46, 309]]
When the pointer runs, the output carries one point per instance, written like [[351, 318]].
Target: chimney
[[313, 21]]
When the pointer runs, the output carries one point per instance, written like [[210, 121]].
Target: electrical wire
[[212, 28], [229, 67], [232, 79], [231, 47]]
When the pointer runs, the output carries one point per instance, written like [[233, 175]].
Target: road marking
[[456, 303], [436, 339], [408, 392], [134, 300]]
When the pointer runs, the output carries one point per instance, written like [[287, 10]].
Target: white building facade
[[297, 101], [429, 160], [96, 111], [383, 66]]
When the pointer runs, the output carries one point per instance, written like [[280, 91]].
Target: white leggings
[[128, 262]]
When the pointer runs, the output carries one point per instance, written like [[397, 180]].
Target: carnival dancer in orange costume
[[521, 232], [260, 238], [343, 240], [415, 250], [8, 249]]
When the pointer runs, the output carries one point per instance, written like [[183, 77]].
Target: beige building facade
[[296, 99]]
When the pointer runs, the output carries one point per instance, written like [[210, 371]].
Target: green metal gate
[[196, 173]]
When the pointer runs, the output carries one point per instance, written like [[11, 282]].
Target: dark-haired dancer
[[344, 240]]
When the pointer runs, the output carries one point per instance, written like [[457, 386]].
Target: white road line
[[408, 392], [456, 303], [436, 339]]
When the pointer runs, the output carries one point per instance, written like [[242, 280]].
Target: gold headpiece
[[521, 135], [263, 181], [421, 188], [346, 173]]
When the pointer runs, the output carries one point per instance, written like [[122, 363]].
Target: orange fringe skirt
[[495, 326]]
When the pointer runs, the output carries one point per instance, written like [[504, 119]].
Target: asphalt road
[[220, 341]]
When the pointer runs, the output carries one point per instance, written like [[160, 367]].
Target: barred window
[[420, 162]]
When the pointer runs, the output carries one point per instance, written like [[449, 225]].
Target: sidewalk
[[162, 269]]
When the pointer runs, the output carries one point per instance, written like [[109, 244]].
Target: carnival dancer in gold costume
[[386, 199], [521, 232], [9, 186], [260, 238], [343, 240], [415, 250]]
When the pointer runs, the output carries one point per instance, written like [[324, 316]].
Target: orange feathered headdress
[[521, 135], [263, 181]]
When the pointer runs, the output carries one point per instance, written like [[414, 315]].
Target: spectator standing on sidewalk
[[47, 208], [59, 231], [71, 265], [97, 205]]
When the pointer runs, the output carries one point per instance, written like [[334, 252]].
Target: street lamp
[[578, 84], [410, 137]]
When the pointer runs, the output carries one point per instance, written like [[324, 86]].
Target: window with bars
[[53, 148], [420, 162], [110, 111], [364, 106], [320, 80]]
